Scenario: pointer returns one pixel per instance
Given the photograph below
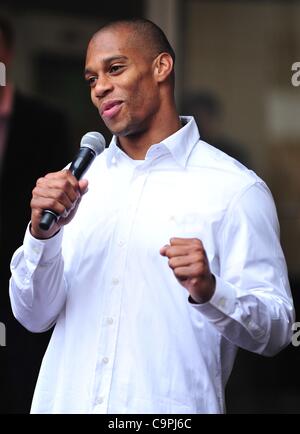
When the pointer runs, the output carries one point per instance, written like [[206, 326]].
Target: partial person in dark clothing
[[33, 140], [208, 112]]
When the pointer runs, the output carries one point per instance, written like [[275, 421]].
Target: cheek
[[94, 99], [140, 88], [144, 97]]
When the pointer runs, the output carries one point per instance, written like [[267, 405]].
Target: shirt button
[[121, 243], [115, 281], [100, 400], [105, 360], [110, 321], [222, 302]]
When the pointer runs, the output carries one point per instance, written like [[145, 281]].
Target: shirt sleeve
[[37, 285], [252, 305]]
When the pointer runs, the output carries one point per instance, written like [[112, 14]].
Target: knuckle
[[52, 203], [199, 256], [177, 272], [199, 269], [65, 183], [36, 193], [49, 175], [198, 244], [36, 213], [172, 262], [168, 252], [40, 181], [61, 195], [194, 281], [67, 177], [200, 251]]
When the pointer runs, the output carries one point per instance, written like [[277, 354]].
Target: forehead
[[110, 42]]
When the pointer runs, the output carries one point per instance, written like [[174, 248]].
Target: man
[[166, 260], [33, 141]]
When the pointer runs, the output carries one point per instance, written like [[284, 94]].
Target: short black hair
[[7, 32], [151, 33]]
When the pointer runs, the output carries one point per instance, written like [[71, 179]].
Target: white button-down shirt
[[127, 339]]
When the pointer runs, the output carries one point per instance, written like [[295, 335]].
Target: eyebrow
[[107, 60]]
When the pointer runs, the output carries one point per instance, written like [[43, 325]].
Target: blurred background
[[234, 74]]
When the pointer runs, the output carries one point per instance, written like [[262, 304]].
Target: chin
[[116, 128], [122, 132], [125, 128]]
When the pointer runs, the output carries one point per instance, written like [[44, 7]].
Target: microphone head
[[93, 140]]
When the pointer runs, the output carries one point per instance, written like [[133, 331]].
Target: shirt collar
[[179, 144]]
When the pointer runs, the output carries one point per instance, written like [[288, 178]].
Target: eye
[[91, 81], [115, 68]]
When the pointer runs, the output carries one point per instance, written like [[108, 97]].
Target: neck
[[137, 145]]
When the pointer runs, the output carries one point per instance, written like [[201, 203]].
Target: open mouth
[[111, 109]]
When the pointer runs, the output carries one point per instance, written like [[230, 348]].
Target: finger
[[65, 185], [181, 250], [42, 203], [61, 174], [185, 241], [83, 185], [65, 175], [54, 194], [190, 272], [163, 250], [183, 261], [182, 273]]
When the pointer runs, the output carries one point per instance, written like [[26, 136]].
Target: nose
[[103, 86]]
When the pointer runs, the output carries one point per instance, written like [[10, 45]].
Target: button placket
[[121, 242]]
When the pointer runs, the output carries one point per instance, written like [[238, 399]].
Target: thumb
[[83, 185]]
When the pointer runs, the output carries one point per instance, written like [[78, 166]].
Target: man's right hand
[[60, 192]]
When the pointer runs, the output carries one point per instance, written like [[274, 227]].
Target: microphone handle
[[47, 219], [79, 165]]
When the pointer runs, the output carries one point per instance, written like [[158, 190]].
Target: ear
[[163, 66]]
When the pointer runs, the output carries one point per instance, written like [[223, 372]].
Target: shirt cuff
[[222, 302], [41, 251]]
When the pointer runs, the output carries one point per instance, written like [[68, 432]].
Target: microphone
[[91, 145]]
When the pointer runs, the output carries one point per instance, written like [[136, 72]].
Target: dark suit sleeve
[[37, 143]]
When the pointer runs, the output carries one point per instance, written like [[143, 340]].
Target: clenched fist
[[60, 192], [188, 260]]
